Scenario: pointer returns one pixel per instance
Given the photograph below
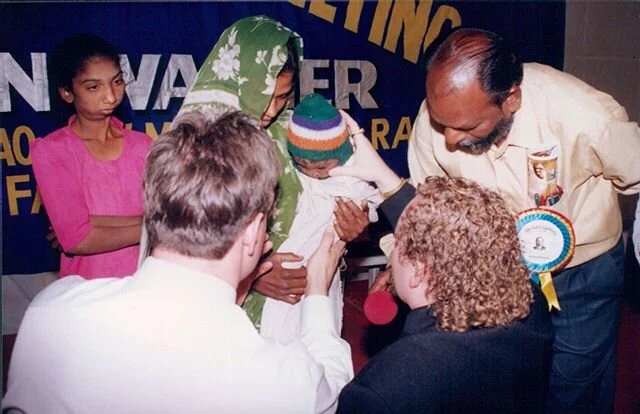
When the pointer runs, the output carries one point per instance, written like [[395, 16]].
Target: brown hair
[[205, 181], [465, 239]]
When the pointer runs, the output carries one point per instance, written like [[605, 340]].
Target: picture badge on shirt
[[543, 176], [547, 242]]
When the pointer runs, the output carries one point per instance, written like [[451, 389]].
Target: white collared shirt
[[166, 340]]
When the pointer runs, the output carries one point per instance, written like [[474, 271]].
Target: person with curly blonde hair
[[463, 241], [478, 336]]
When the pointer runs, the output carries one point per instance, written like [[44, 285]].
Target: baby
[[317, 141]]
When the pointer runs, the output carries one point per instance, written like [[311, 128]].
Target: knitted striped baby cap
[[317, 131]]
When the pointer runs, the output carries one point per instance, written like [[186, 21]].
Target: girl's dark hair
[[68, 59], [71, 56]]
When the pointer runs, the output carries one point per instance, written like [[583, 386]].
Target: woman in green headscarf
[[253, 67]]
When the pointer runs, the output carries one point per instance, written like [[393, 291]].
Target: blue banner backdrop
[[367, 57]]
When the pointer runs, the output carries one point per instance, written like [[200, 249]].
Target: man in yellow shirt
[[484, 116]]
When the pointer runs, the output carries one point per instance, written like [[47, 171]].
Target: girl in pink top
[[89, 173]]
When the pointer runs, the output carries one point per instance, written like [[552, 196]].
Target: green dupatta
[[240, 73]]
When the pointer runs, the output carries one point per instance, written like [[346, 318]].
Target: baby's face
[[316, 169]]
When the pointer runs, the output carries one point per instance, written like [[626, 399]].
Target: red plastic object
[[380, 307]]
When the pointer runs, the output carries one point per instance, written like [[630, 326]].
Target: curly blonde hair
[[465, 239]]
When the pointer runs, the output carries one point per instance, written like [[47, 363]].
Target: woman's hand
[[351, 220], [383, 282], [282, 282], [53, 240], [322, 265], [367, 164]]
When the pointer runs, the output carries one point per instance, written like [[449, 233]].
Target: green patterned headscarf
[[240, 73]]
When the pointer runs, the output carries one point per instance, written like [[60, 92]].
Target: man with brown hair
[[475, 339], [171, 338]]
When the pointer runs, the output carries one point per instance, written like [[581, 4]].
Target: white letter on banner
[[359, 89], [184, 65], [308, 84], [139, 87], [35, 92]]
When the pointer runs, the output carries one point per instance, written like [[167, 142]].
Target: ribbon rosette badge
[[547, 242]]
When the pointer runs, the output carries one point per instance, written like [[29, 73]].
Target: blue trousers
[[583, 365]]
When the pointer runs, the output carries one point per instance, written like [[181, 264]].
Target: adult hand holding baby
[[322, 265], [351, 219], [367, 163], [282, 282]]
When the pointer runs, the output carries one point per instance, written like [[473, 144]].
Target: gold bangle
[[388, 194], [360, 131]]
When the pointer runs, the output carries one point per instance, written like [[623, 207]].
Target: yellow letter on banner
[[354, 11], [443, 13], [403, 133], [150, 129], [322, 10], [6, 153], [17, 150], [37, 203], [13, 194], [379, 135], [379, 20], [414, 22], [299, 3]]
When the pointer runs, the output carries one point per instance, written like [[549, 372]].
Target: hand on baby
[[351, 220], [323, 264], [282, 282], [367, 164]]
